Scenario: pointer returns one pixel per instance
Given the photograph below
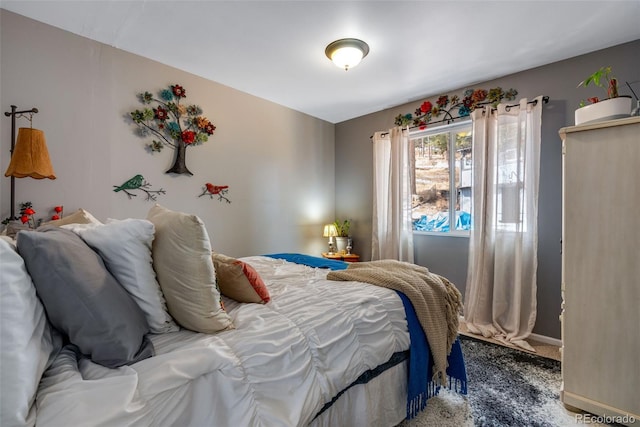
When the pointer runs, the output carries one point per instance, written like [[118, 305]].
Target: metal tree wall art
[[138, 183], [172, 124], [215, 190]]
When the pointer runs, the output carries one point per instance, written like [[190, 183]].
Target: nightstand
[[342, 257]]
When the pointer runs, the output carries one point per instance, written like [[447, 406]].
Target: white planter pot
[[341, 244], [609, 109]]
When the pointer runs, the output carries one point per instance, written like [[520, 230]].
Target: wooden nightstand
[[342, 257]]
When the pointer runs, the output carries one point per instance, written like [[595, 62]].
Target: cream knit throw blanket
[[437, 302]]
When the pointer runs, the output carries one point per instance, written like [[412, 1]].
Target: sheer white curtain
[[392, 228], [500, 299]]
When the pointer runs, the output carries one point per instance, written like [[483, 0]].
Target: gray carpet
[[506, 387]]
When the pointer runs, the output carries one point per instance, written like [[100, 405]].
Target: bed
[[319, 353]]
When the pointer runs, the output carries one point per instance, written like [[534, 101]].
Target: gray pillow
[[82, 299]]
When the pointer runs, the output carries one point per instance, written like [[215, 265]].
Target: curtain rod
[[545, 100]]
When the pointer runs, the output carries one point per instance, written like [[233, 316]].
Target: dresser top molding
[[599, 125]]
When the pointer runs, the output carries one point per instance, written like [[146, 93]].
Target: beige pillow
[[239, 281], [78, 217], [14, 226], [182, 260]]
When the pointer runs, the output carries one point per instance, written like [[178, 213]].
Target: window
[[441, 181], [511, 209]]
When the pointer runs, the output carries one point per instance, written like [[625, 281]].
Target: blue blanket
[[420, 384]]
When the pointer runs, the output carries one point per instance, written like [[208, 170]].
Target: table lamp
[[330, 231]]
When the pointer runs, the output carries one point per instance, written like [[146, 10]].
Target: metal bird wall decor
[[215, 190], [138, 183]]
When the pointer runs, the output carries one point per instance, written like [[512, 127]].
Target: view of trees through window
[[441, 181]]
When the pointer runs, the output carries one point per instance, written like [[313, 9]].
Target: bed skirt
[[382, 402]]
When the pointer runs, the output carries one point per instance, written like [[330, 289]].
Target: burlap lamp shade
[[30, 156]]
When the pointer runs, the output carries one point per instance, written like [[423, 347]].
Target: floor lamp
[[29, 154]]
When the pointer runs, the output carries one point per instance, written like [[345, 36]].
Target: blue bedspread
[[311, 261], [420, 384]]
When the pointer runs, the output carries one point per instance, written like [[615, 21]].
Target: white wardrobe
[[601, 269]]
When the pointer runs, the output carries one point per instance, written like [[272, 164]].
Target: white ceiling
[[275, 49]]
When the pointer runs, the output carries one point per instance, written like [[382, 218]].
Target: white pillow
[[79, 228], [182, 261], [27, 343], [125, 248]]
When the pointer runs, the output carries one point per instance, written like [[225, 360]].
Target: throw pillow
[[27, 342], [238, 280], [182, 261], [78, 217], [125, 248], [82, 299], [13, 227]]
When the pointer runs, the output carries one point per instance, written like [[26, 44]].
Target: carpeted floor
[[506, 387]]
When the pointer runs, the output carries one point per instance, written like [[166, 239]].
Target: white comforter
[[281, 364]]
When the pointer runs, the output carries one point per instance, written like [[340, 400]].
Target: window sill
[[466, 234]]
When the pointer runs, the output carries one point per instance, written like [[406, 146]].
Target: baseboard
[[546, 340], [542, 339]]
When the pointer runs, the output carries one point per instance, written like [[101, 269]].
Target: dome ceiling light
[[347, 53]]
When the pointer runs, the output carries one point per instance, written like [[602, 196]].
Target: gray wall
[[448, 255]]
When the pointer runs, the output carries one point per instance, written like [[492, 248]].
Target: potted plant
[[612, 107], [342, 238]]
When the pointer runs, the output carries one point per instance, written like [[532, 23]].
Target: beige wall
[[278, 163]]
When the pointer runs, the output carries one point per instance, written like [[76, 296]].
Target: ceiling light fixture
[[347, 53]]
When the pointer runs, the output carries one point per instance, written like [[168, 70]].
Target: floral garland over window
[[173, 124], [446, 107]]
